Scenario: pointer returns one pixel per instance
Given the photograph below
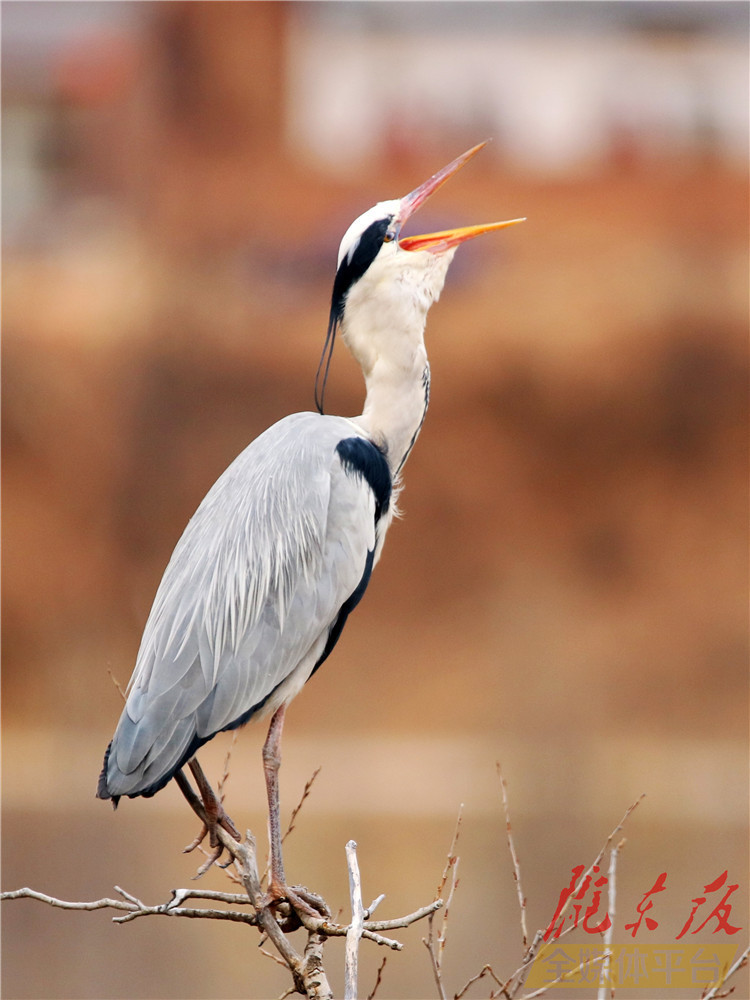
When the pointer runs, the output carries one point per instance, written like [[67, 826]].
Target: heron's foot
[[211, 812], [209, 829], [216, 817], [288, 902]]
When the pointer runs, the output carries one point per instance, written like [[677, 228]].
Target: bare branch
[[116, 684], [244, 858], [435, 949], [221, 787], [412, 918], [451, 860], [427, 942], [486, 970], [179, 896], [295, 812], [371, 927], [134, 907], [287, 993], [611, 909], [617, 829], [514, 857], [713, 993], [186, 911], [278, 961], [354, 933], [378, 980], [63, 904], [453, 866], [384, 942]]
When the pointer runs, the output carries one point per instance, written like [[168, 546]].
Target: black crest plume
[[352, 267]]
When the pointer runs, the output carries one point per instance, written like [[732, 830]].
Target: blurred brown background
[[567, 592]]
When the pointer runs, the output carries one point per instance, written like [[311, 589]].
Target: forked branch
[[306, 967]]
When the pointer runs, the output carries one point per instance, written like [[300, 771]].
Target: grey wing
[[281, 546]]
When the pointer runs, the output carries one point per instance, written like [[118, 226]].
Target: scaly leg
[[299, 898], [271, 763]]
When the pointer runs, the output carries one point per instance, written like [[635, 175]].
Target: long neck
[[396, 404], [383, 324]]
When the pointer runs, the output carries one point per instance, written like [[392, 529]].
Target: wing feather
[[247, 601]]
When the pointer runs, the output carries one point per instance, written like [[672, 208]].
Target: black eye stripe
[[356, 262]]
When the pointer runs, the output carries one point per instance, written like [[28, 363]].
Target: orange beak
[[438, 242]]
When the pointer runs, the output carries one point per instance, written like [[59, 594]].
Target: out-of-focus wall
[[567, 590]]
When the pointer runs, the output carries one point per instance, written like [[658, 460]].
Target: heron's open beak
[[437, 242]]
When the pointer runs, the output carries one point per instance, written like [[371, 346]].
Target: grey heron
[[280, 551]]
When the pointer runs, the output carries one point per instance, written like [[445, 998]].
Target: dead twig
[[295, 812], [486, 970], [740, 962], [221, 787], [378, 979], [434, 947], [116, 684], [514, 857]]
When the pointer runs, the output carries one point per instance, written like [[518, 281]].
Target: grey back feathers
[[253, 590]]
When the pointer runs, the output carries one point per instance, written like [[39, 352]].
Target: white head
[[383, 291], [385, 283]]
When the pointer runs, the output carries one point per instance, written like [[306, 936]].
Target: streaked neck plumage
[[383, 325]]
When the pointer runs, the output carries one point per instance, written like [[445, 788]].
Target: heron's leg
[[299, 898], [215, 814], [209, 810], [271, 764]]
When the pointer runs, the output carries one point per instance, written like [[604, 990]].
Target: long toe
[[225, 822], [299, 899], [198, 840]]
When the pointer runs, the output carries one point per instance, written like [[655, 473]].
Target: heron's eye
[[390, 236]]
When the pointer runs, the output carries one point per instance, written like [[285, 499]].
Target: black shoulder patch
[[364, 459], [354, 265]]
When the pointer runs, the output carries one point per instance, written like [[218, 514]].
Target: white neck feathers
[[383, 326]]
